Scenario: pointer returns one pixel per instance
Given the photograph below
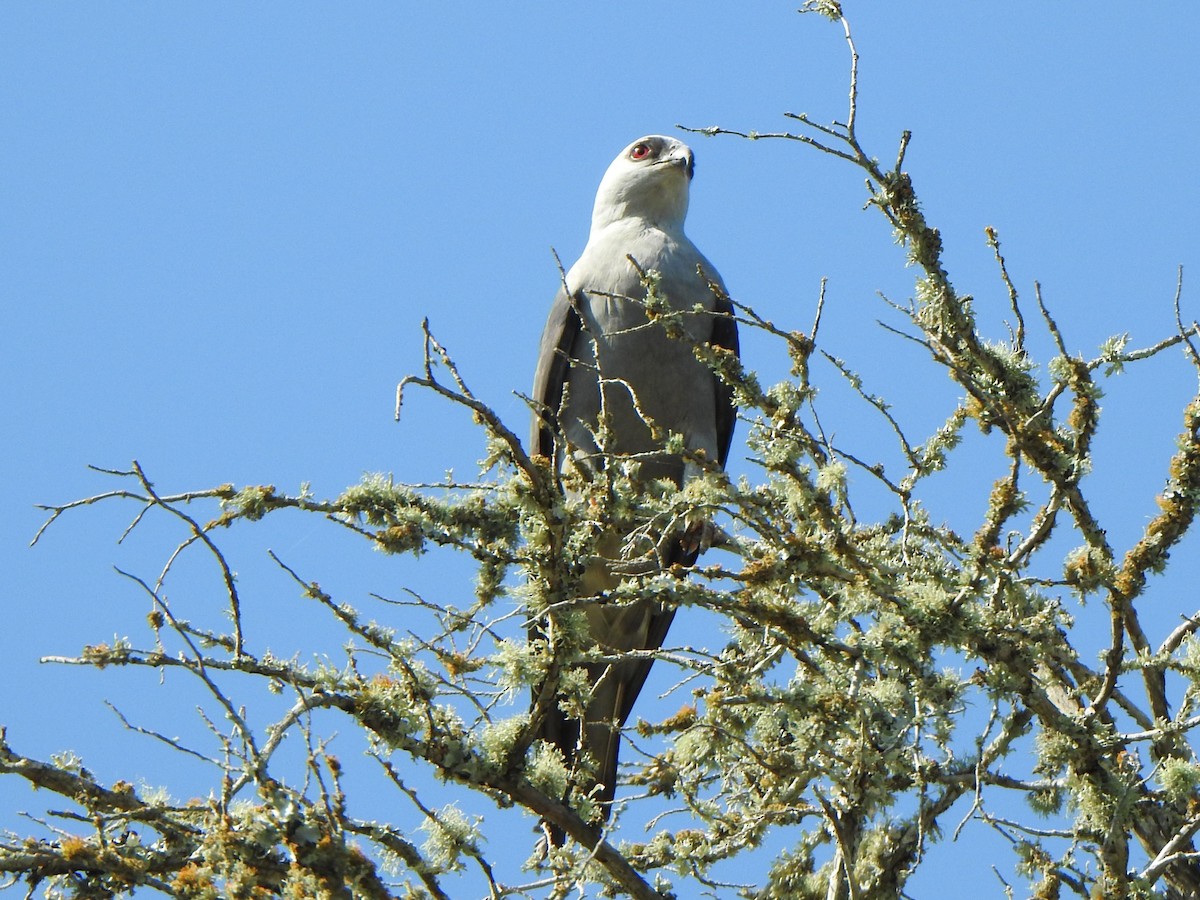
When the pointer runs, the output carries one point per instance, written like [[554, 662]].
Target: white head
[[648, 180]]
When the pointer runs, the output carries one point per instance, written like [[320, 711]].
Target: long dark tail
[[615, 688]]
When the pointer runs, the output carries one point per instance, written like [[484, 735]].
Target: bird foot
[[697, 538]]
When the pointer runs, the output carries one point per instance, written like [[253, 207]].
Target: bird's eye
[[639, 151]]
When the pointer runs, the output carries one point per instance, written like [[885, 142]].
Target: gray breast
[[631, 369]]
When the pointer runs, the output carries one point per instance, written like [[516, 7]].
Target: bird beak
[[682, 158]]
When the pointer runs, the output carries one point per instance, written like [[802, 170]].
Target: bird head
[[648, 180]]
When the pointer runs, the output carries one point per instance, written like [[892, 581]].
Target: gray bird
[[600, 351]]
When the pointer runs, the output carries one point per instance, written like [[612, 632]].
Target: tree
[[837, 717]]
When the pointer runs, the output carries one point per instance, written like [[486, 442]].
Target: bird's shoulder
[[605, 263]]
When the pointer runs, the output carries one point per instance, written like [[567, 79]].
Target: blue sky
[[223, 224]]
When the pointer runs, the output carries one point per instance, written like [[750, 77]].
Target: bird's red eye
[[639, 151]]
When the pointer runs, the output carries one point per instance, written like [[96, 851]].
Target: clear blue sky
[[221, 226]]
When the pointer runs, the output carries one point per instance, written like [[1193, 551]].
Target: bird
[[601, 352]]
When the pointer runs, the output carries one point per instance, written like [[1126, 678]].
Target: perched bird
[[600, 351]]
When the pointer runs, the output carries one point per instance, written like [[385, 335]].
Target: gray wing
[[725, 334], [554, 359]]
